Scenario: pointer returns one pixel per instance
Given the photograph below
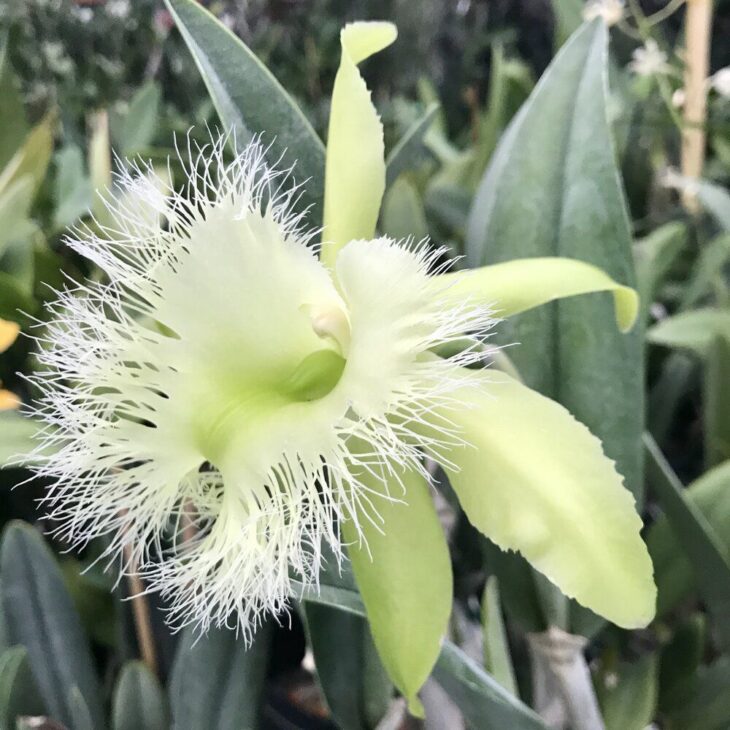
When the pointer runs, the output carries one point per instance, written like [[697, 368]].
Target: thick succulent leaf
[[516, 286], [552, 189], [675, 578], [403, 571], [349, 671], [250, 101], [355, 169], [18, 691], [534, 479], [705, 549], [217, 682], [477, 694], [139, 703], [40, 615]]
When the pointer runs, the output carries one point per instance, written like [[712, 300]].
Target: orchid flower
[[282, 402]]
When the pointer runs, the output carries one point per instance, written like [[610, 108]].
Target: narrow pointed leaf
[[249, 100], [404, 577], [355, 169], [40, 615], [477, 694], [33, 157], [18, 691], [522, 284], [552, 189], [216, 681], [534, 479], [694, 330], [705, 550], [410, 150], [139, 703]]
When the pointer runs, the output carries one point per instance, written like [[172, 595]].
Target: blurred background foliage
[[80, 78]]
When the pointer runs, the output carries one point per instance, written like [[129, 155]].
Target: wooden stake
[[698, 25]]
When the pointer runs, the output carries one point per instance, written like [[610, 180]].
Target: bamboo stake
[[698, 24], [141, 613]]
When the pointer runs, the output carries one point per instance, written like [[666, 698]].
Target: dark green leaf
[[140, 123], [409, 150], [216, 682], [716, 406], [477, 694], [704, 549], [18, 690], [250, 101], [552, 189], [139, 703], [630, 703], [483, 701], [41, 617], [13, 124], [352, 678], [80, 715]]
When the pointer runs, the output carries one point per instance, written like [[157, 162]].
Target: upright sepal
[[355, 167]]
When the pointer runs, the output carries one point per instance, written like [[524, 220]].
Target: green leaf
[[15, 202], [18, 690], [552, 189], [216, 682], [72, 192], [716, 402], [536, 480], [484, 703], [630, 703], [568, 17], [16, 435], [13, 124], [693, 330], [403, 216], [706, 551], [41, 617], [716, 200], [478, 695], [250, 101], [707, 270], [355, 168], [675, 577], [705, 703], [139, 703], [403, 571], [497, 659], [654, 257], [681, 659], [80, 715], [140, 123], [522, 284], [33, 157], [349, 671], [410, 150]]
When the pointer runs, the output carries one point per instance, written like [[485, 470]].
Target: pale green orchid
[[288, 402]]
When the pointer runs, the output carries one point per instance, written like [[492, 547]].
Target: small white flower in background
[[118, 8], [678, 98], [649, 60], [610, 10], [720, 82], [83, 14], [221, 366]]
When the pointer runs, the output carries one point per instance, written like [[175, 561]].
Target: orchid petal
[[355, 167], [403, 571], [519, 285], [534, 479]]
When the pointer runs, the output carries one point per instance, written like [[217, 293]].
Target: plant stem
[[141, 613], [698, 24]]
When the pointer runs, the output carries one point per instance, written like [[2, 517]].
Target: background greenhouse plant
[[548, 187]]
